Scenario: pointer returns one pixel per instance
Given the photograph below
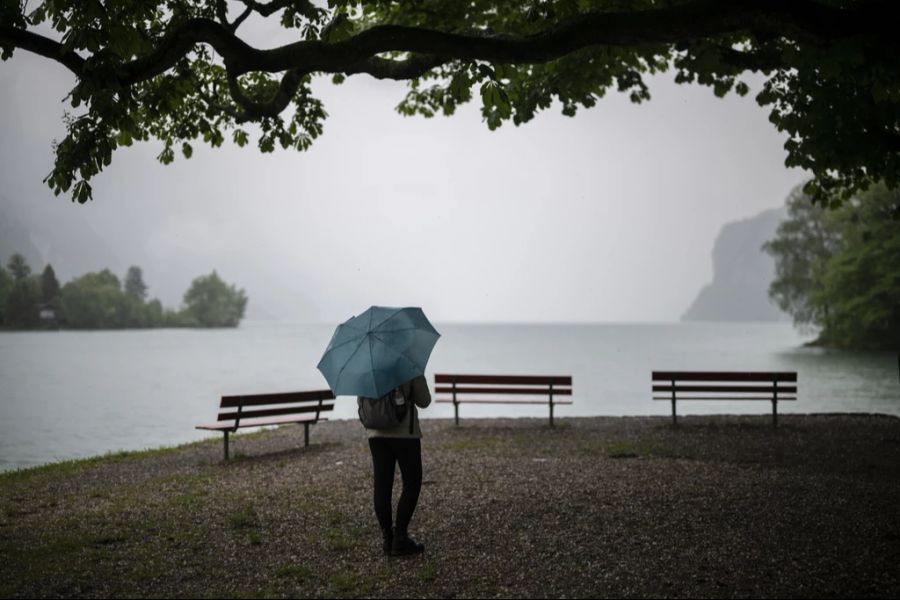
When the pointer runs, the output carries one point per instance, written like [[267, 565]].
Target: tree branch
[[222, 12], [266, 9], [764, 59], [273, 106], [43, 46], [241, 18], [382, 68], [804, 20]]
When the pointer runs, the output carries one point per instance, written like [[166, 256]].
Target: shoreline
[[607, 506], [120, 454]]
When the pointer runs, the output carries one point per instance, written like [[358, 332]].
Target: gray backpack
[[385, 412]]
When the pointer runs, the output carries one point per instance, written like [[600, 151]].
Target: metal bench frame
[[757, 385], [280, 408], [464, 384]]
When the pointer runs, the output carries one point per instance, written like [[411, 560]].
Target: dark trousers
[[386, 454]]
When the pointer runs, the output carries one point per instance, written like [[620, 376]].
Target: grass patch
[[296, 573], [308, 505], [49, 561], [343, 583], [429, 572], [260, 593], [633, 449], [243, 518], [175, 491], [190, 500], [107, 539], [76, 465], [348, 583], [340, 540], [255, 538], [622, 450], [471, 444]]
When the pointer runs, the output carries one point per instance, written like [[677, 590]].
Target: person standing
[[400, 444]]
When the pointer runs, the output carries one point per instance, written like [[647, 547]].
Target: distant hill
[[742, 273], [16, 239]]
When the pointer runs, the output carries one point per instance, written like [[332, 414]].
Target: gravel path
[[607, 506]]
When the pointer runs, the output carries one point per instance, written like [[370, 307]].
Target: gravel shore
[[721, 506]]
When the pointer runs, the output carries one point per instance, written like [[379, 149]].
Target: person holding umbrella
[[401, 445], [380, 357]]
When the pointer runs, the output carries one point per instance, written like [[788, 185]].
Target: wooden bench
[[725, 385], [271, 409], [458, 388]]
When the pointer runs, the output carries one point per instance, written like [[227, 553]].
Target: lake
[[75, 394]]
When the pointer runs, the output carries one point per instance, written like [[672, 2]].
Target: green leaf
[[166, 156]]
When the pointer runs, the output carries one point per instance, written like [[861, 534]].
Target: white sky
[[608, 216]]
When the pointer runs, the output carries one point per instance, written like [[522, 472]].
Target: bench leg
[[674, 415], [305, 435], [774, 413], [226, 444], [551, 414], [456, 413]]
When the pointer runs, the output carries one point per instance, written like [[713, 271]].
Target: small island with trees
[[100, 300]]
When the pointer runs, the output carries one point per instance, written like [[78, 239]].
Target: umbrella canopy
[[371, 354]]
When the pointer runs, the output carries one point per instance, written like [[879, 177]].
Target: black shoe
[[403, 545]]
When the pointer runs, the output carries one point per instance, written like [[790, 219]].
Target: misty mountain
[[53, 234], [16, 239], [742, 273]]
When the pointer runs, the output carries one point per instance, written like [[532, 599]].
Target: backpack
[[385, 412]]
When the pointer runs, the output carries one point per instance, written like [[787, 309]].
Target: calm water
[[76, 394]]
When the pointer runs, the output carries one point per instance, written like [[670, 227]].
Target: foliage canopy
[[179, 71]]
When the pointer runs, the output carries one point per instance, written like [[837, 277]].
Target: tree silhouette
[[134, 283], [19, 268], [49, 286], [23, 299], [210, 302], [6, 286]]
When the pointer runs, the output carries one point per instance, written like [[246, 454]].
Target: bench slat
[[766, 398], [504, 379], [258, 423], [504, 390], [769, 389], [271, 412], [724, 376], [237, 411], [725, 388], [549, 386], [276, 398], [498, 401]]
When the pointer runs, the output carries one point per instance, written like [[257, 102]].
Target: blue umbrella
[[371, 354]]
